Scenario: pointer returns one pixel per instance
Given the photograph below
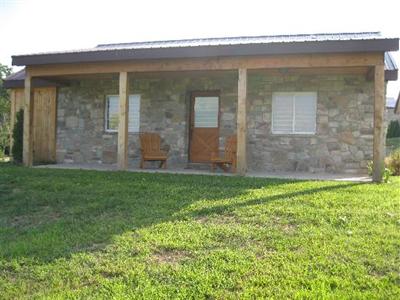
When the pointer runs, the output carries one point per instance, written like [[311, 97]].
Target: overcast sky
[[29, 26]]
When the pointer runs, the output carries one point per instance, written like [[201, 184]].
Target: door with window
[[204, 126]]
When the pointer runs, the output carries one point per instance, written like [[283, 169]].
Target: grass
[[393, 143], [88, 234]]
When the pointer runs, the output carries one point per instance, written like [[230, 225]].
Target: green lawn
[[88, 234], [393, 143]]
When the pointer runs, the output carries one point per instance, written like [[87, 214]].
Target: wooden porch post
[[379, 134], [12, 117], [123, 121], [241, 123], [27, 155]]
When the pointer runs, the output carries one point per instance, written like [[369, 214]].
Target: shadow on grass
[[48, 214]]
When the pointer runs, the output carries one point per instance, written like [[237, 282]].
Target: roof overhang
[[17, 80], [308, 47]]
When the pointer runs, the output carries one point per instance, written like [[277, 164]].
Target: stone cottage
[[310, 103]]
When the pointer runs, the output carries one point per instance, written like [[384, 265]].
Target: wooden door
[[204, 126], [44, 125]]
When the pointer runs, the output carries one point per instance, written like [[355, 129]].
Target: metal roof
[[217, 47], [244, 40], [17, 80]]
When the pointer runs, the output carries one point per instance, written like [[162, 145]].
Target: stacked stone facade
[[342, 143]]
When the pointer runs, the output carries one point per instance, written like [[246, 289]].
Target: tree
[[4, 111], [393, 130], [18, 136]]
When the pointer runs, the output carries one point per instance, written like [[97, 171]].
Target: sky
[[30, 26]]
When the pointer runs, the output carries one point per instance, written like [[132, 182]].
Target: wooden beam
[[123, 121], [28, 122], [12, 116], [379, 133], [242, 123], [219, 63], [370, 74]]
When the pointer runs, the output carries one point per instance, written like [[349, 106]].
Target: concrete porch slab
[[281, 175]]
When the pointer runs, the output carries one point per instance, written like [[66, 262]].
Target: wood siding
[[44, 123]]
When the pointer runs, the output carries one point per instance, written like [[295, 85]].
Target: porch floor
[[282, 175]]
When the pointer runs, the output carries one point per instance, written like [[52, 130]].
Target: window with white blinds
[[294, 113], [206, 112], [112, 113]]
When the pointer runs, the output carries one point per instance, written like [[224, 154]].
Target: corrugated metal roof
[[226, 41], [19, 75], [17, 80], [219, 47], [390, 63], [244, 40]]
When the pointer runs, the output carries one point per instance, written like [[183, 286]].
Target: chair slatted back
[[150, 142]]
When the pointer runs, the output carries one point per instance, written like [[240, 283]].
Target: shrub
[[386, 172], [392, 162], [393, 130], [18, 136], [4, 139]]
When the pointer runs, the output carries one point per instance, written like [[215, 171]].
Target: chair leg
[[165, 164], [233, 167], [142, 164], [212, 167]]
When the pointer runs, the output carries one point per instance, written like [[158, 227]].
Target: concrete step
[[198, 166]]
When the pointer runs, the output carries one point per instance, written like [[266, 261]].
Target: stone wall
[[165, 102], [344, 137], [343, 142]]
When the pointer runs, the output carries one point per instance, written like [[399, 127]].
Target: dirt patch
[[202, 220], [34, 218], [288, 228], [170, 256]]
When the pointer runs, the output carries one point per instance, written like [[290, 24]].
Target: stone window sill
[[293, 134]]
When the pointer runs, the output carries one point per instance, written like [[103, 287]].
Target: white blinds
[[282, 113], [305, 113], [206, 112], [294, 113], [112, 110], [134, 113]]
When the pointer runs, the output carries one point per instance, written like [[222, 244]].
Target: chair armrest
[[215, 154]]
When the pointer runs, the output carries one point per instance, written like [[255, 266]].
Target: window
[[206, 112], [294, 113], [112, 113]]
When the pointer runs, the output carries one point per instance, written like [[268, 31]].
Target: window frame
[[106, 113], [293, 95]]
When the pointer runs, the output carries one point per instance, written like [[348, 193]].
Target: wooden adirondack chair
[[229, 156], [150, 146]]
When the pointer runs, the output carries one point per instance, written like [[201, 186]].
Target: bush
[[393, 130], [4, 139], [386, 172], [392, 162], [18, 137]]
